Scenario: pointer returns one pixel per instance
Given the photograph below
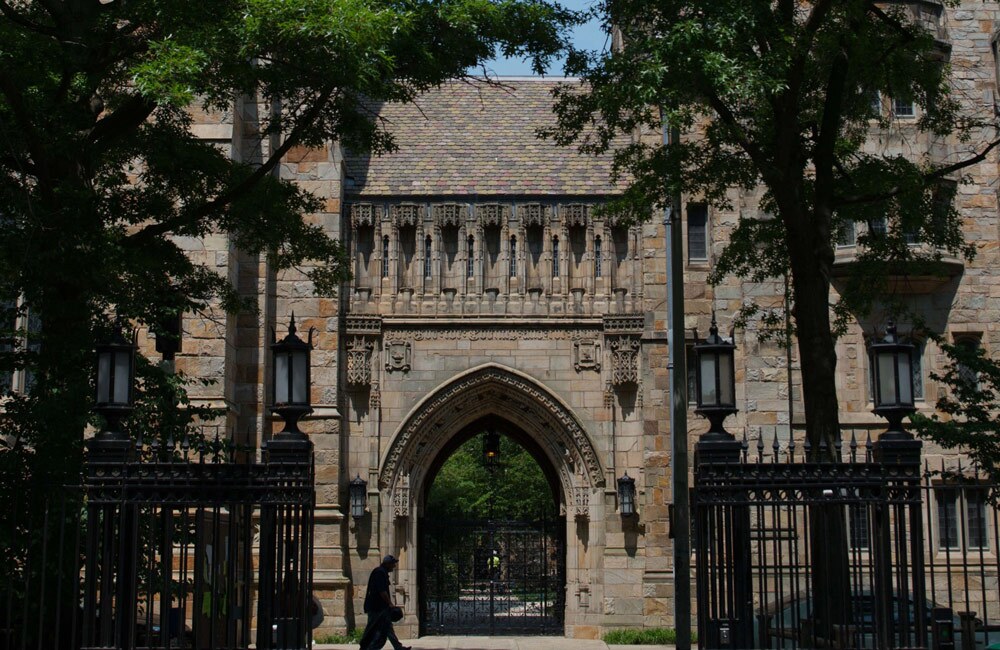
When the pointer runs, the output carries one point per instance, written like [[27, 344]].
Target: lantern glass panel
[[726, 384], [627, 501], [122, 362], [709, 396], [281, 378], [300, 373], [104, 377], [886, 378], [905, 378], [357, 501]]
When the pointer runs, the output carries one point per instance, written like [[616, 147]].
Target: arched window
[[513, 256], [385, 256], [555, 257], [427, 257], [470, 260], [598, 257]]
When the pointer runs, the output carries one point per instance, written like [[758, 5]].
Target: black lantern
[[716, 380], [491, 449], [891, 362], [358, 492], [290, 380], [626, 495], [115, 373]]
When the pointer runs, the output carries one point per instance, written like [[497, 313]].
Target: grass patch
[[351, 636], [644, 636]]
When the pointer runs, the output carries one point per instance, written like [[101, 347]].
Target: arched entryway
[[539, 421], [492, 538]]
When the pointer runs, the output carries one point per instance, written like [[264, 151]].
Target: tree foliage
[[464, 488], [101, 175], [791, 102], [968, 415]]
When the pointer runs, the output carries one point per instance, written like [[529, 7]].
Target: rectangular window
[[697, 239], [857, 523], [903, 108], [847, 234], [962, 518]]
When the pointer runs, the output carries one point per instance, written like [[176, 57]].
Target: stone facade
[[486, 285]]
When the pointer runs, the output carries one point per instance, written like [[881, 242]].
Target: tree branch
[[124, 119], [193, 216], [928, 179], [23, 118], [15, 17]]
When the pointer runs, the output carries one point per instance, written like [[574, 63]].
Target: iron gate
[[492, 577]]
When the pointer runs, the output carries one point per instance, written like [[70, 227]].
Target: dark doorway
[[492, 546]]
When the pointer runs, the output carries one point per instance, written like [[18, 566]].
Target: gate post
[[286, 545], [722, 543]]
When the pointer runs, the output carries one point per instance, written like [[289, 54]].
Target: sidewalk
[[501, 643]]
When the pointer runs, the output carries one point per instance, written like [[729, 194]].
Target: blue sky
[[588, 36]]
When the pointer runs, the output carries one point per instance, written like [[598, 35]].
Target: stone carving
[[397, 356], [624, 323], [401, 498], [532, 214], [586, 355], [581, 502], [576, 214], [609, 395], [405, 214], [492, 389], [375, 398], [448, 214], [492, 214], [364, 325], [359, 367], [474, 334], [363, 214], [624, 360]]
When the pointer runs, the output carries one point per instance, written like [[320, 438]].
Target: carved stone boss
[[397, 356], [586, 355]]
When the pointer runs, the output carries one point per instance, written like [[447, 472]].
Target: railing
[[873, 551], [164, 547]]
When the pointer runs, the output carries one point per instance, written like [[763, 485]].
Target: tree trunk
[[811, 266]]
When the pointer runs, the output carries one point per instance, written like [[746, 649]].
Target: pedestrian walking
[[380, 609]]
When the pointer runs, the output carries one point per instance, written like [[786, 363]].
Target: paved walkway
[[502, 643]]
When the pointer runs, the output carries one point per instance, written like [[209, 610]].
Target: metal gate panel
[[466, 589]]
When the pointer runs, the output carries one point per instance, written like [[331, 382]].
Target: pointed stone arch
[[491, 390]]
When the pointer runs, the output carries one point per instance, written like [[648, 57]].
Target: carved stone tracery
[[492, 214], [448, 214], [532, 214], [624, 360], [359, 367], [575, 214], [364, 214], [405, 214]]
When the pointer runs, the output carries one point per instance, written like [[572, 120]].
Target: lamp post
[[115, 396], [290, 383], [626, 496], [491, 449], [716, 395], [891, 363], [358, 493]]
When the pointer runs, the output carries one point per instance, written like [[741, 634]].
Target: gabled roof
[[476, 139]]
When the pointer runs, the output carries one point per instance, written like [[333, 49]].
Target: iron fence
[[165, 546], [872, 551]]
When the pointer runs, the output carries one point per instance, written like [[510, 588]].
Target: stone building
[[487, 289]]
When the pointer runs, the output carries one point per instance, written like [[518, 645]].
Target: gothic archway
[[504, 392]]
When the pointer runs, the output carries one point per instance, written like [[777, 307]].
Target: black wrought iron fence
[[170, 547], [873, 551]]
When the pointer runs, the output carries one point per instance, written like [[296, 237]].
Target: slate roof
[[461, 139]]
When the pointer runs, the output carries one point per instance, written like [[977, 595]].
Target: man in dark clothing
[[378, 606]]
